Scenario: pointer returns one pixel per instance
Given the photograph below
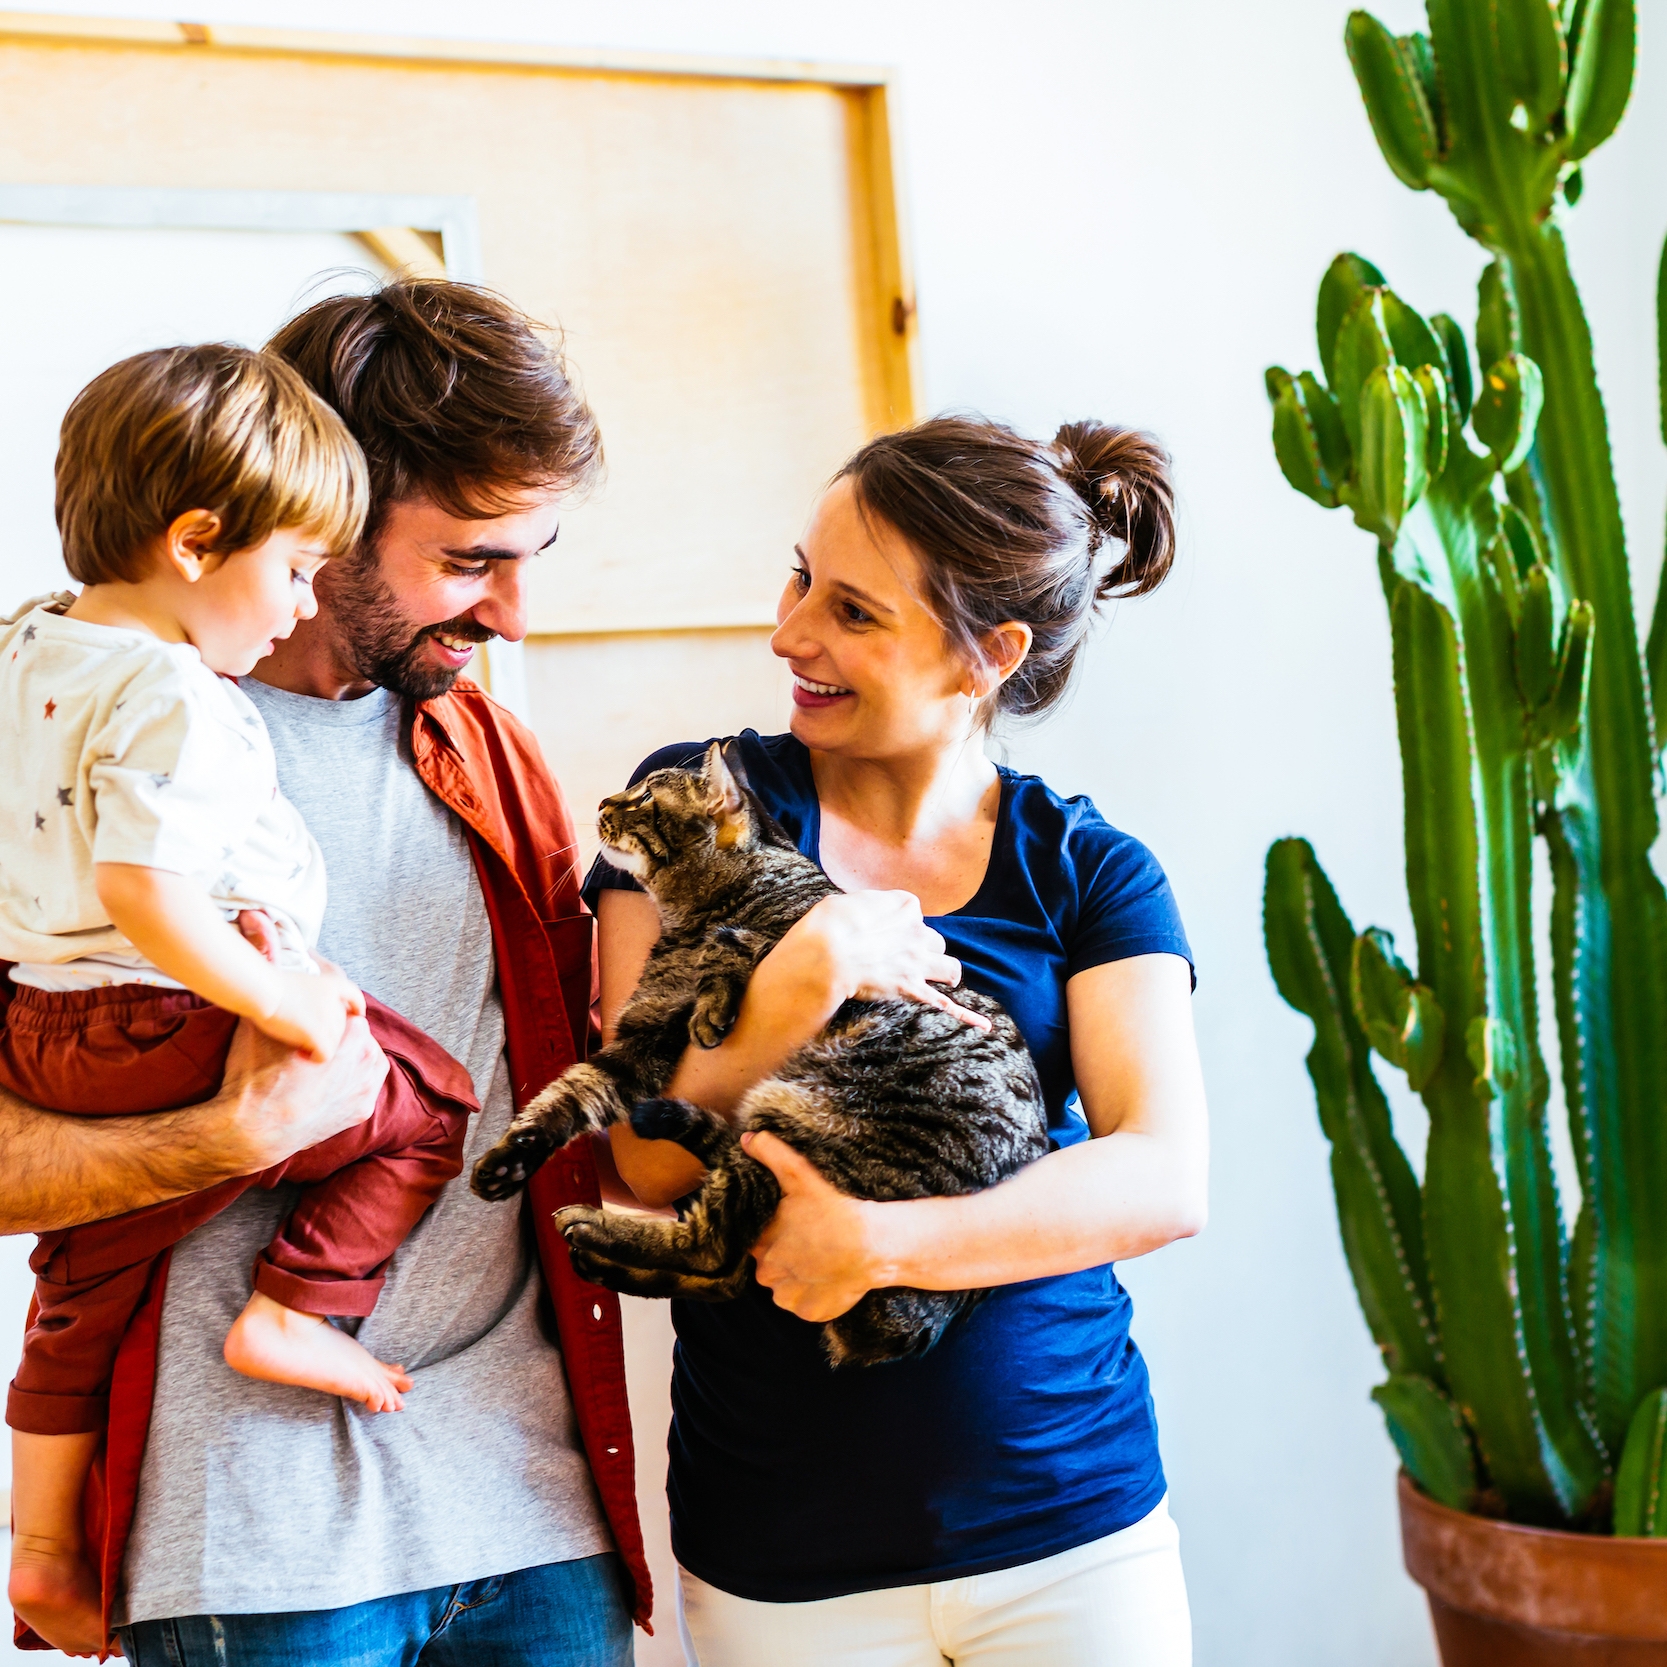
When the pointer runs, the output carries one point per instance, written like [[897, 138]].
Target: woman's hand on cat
[[877, 947], [818, 1255]]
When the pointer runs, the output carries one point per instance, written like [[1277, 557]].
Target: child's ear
[[725, 802], [189, 544]]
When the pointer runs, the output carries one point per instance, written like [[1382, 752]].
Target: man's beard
[[379, 641]]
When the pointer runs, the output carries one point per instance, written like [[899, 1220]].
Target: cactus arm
[[1655, 654], [1641, 1480], [1580, 962], [1600, 76], [1613, 794], [1466, 1222], [1310, 941], [1430, 1436]]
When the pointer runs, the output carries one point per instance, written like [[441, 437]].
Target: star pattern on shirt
[[66, 795], [51, 707], [40, 821], [28, 633]]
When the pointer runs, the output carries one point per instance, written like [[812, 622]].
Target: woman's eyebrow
[[872, 604]]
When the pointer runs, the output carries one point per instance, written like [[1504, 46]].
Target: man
[[494, 1519]]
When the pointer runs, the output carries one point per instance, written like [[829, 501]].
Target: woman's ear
[[188, 546], [1004, 650]]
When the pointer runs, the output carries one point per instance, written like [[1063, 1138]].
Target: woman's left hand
[[817, 1255]]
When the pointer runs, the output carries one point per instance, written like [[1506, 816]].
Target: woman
[[1001, 1498]]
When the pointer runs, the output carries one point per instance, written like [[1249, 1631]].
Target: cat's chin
[[633, 862]]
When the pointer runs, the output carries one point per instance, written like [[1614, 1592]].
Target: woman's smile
[[813, 694]]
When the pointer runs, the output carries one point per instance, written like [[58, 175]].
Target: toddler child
[[199, 490]]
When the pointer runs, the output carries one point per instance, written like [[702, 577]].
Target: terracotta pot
[[1505, 1596]]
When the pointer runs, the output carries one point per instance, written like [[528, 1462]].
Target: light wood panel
[[602, 704], [722, 254]]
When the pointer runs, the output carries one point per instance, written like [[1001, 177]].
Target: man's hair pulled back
[[453, 392]]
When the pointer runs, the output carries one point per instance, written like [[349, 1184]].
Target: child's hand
[[258, 930], [313, 1010]]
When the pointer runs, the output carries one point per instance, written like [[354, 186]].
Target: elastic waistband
[[43, 1012]]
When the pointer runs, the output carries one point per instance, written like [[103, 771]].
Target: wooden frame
[[895, 364]]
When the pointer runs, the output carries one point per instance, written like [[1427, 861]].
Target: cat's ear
[[725, 802]]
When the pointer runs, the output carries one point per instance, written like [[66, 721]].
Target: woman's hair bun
[[1122, 477], [1007, 528]]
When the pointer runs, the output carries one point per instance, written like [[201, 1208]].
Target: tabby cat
[[893, 1100]]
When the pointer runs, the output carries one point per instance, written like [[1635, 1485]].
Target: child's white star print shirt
[[117, 747]]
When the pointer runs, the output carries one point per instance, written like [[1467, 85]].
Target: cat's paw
[[503, 1171], [585, 1230], [710, 1023]]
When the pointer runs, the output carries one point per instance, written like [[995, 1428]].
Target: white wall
[[1123, 210]]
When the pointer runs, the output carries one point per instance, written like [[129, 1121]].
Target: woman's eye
[[800, 578], [856, 615]]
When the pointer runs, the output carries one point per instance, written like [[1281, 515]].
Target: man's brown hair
[[218, 427], [452, 391]]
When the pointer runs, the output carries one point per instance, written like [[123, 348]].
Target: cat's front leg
[[725, 966], [585, 1097]]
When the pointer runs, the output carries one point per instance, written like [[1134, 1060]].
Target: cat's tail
[[702, 1133]]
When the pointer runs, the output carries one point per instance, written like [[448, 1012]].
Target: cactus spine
[[1522, 1357]]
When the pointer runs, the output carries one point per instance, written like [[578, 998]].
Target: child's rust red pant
[[133, 1048]]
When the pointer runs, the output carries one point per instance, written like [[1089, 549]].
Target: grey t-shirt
[[258, 1497]]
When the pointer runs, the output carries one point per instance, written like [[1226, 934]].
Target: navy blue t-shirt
[[1029, 1429]]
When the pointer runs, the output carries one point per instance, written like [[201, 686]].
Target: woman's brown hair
[[1007, 528]]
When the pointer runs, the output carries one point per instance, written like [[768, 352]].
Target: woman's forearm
[[1104, 1201], [788, 1001]]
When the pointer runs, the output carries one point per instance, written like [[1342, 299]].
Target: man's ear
[[188, 545], [725, 802]]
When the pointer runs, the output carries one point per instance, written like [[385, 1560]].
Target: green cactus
[[1641, 1482], [1524, 710]]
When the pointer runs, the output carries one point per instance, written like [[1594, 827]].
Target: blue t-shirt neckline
[[999, 841]]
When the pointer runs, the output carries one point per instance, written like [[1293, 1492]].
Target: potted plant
[[1527, 1361]]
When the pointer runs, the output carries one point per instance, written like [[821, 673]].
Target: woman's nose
[[793, 639]]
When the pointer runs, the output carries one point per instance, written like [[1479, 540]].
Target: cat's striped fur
[[893, 1100]]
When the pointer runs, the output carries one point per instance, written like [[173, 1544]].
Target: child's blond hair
[[218, 427]]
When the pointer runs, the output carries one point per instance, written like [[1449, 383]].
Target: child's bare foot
[[56, 1592], [279, 1345]]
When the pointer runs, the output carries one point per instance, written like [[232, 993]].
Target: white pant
[[1116, 1602]]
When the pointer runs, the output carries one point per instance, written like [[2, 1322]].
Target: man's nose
[[503, 609]]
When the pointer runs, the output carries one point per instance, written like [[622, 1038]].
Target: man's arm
[[59, 1171]]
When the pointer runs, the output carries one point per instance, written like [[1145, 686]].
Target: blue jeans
[[561, 1615]]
